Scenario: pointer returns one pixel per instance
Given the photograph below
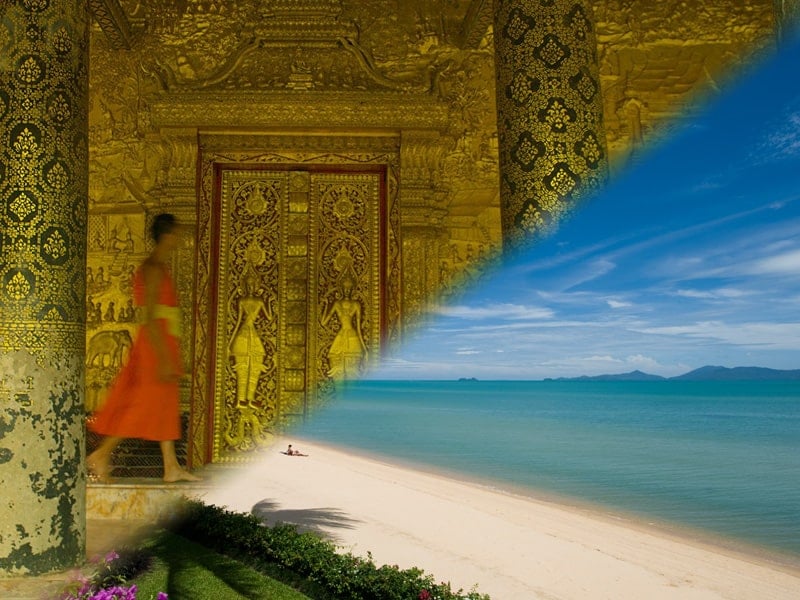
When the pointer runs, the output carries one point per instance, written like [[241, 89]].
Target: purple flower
[[111, 556], [162, 596]]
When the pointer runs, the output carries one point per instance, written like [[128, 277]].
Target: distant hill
[[632, 376], [712, 373], [707, 373]]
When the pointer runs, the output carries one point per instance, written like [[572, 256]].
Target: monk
[[143, 401]]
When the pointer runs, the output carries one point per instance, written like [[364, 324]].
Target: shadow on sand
[[315, 520]]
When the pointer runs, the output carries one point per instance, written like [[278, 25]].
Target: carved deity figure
[[348, 350], [246, 348]]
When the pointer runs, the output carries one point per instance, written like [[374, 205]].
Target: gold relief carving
[[476, 22], [295, 335], [298, 246], [113, 21], [296, 312], [347, 353], [348, 272], [664, 60], [246, 349], [296, 290], [295, 358], [296, 269], [299, 182], [117, 242], [250, 230], [353, 110], [181, 154], [295, 380]]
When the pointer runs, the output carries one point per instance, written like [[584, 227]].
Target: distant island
[[707, 373]]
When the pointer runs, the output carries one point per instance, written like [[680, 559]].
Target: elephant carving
[[108, 348]]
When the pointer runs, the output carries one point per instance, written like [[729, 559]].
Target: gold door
[[297, 298]]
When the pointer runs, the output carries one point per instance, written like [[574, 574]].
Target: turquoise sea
[[721, 458]]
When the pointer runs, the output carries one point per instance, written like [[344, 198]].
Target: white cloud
[[784, 263], [496, 311], [719, 293], [467, 351], [643, 362], [601, 359], [618, 303]]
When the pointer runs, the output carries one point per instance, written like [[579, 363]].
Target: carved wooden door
[[297, 292]]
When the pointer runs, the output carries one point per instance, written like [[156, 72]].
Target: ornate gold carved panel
[[346, 224], [250, 235], [297, 292]]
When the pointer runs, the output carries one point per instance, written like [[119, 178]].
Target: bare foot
[[98, 468], [180, 475]]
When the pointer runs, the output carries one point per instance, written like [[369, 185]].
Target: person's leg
[[99, 461], [172, 469]]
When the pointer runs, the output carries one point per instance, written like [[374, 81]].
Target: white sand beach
[[512, 547]]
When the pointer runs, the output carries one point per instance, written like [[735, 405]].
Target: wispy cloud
[[778, 336], [496, 311], [785, 141], [786, 263], [714, 294], [618, 303]]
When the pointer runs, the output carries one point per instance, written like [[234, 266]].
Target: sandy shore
[[511, 547]]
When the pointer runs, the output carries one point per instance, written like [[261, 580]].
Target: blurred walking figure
[[143, 401]]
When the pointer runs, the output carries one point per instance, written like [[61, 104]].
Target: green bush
[[342, 576]]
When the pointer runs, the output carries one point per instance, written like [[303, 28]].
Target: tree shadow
[[315, 520], [184, 562]]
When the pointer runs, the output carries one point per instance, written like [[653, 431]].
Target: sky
[[690, 258]]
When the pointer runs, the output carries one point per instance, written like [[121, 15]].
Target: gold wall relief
[[348, 272], [251, 229], [298, 292], [116, 244]]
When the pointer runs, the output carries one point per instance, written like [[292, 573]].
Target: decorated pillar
[[549, 112], [787, 19], [43, 197], [422, 211]]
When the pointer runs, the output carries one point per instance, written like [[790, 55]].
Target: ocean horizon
[[719, 458]]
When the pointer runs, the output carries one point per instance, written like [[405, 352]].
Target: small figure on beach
[[292, 452], [143, 401]]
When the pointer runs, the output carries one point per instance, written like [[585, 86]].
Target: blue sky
[[690, 258]]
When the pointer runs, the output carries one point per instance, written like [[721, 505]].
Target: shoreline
[[709, 540], [469, 533]]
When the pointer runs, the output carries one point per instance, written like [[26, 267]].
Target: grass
[[188, 571]]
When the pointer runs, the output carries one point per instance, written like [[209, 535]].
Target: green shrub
[[343, 576]]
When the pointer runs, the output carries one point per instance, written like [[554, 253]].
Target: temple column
[[787, 19], [43, 196], [549, 112], [422, 211]]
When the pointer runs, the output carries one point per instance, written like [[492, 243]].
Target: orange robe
[[139, 404]]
